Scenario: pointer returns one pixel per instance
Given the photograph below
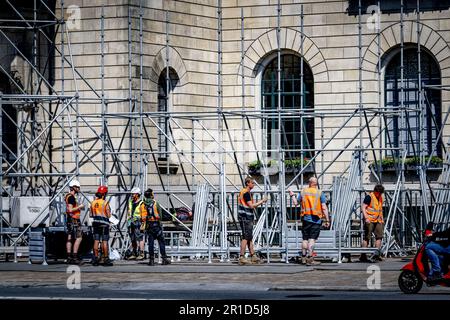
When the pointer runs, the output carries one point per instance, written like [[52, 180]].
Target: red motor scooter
[[415, 273]]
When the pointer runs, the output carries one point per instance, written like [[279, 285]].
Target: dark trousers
[[155, 232]]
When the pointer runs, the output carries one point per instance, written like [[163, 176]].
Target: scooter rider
[[439, 245]]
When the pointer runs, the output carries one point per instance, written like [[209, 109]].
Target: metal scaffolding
[[50, 121]]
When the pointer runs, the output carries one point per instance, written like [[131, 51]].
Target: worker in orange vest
[[101, 212], [246, 216], [372, 209], [74, 232], [314, 212]]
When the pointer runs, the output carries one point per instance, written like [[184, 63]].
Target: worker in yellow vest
[[154, 228], [137, 215], [100, 213], [372, 209], [246, 216], [314, 213], [74, 232]]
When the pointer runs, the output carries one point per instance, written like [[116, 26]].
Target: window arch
[[290, 99], [166, 84], [430, 75]]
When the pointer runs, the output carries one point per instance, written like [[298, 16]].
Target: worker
[[246, 216], [101, 212], [372, 210], [314, 210], [154, 228], [136, 224], [74, 232]]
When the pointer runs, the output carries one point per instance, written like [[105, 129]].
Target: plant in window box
[[295, 165], [414, 162], [387, 164], [436, 162], [254, 167]]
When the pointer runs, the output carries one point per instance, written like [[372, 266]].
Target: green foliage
[[295, 163], [254, 165], [389, 162]]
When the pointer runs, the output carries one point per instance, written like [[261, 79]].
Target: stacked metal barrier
[[201, 216], [345, 194]]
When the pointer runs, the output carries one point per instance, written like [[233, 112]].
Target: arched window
[[9, 120], [410, 132], [290, 99], [166, 85]]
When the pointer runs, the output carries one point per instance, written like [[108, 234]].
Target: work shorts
[[134, 231], [375, 228], [310, 230], [101, 231], [74, 228], [247, 229]]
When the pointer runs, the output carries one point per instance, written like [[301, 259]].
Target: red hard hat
[[102, 189]]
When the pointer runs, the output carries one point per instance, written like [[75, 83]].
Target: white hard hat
[[74, 183], [135, 190]]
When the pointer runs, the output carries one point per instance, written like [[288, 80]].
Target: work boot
[[311, 262], [77, 260], [303, 260], [132, 257], [151, 262], [363, 258], [165, 261], [243, 260], [255, 259], [95, 262], [107, 262], [140, 256]]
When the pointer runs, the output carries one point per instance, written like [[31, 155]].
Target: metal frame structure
[[128, 162]]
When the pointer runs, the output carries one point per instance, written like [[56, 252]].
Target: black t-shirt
[[71, 200], [247, 197], [367, 200]]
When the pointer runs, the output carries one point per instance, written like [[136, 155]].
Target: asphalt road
[[191, 291]]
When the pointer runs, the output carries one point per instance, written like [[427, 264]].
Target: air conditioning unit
[[25, 210]]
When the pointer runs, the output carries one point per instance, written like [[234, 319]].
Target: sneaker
[[77, 260], [311, 262], [151, 262], [304, 260], [165, 261], [436, 276], [140, 257], [255, 259], [243, 260]]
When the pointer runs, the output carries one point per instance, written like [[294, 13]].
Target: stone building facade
[[184, 36]]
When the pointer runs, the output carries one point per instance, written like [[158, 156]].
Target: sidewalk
[[274, 276]]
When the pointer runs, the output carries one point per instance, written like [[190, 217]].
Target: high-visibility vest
[[152, 212], [311, 204], [139, 213], [243, 209], [74, 214], [99, 211], [375, 209]]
